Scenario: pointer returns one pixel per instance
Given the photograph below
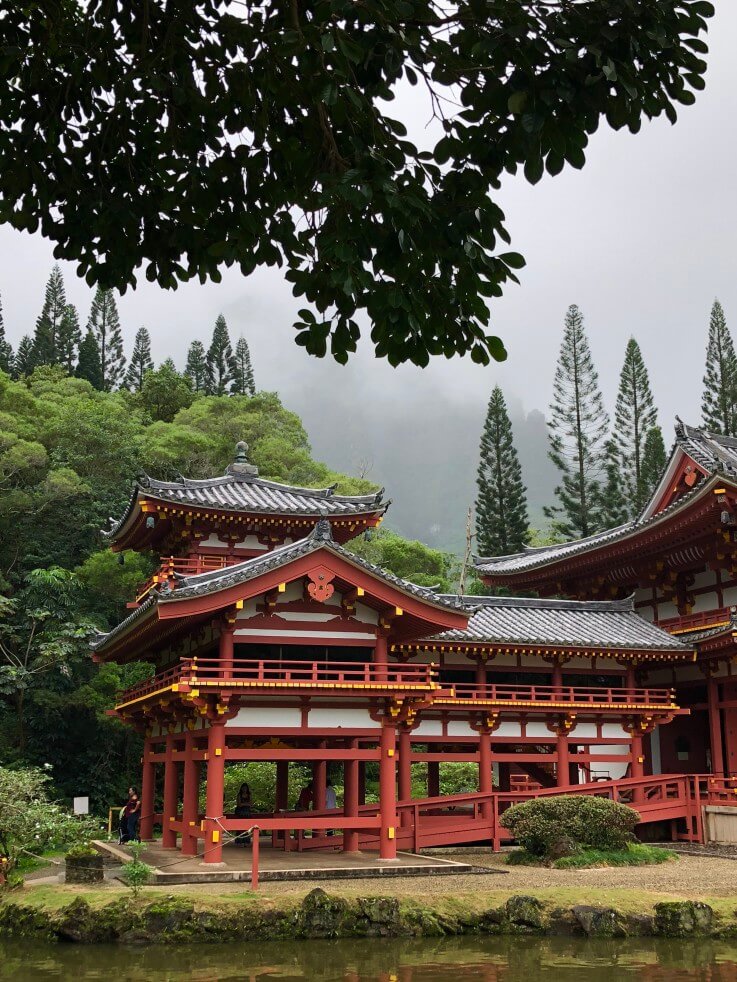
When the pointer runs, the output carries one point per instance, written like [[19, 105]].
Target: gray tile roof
[[716, 454], [242, 490], [215, 581], [571, 623]]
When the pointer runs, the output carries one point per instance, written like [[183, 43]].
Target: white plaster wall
[[429, 727], [354, 719], [266, 716], [459, 727]]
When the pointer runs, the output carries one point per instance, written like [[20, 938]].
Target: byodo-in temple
[[272, 641]]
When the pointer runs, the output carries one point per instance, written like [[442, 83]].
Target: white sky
[[642, 240]]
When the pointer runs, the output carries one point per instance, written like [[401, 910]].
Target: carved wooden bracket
[[320, 586]]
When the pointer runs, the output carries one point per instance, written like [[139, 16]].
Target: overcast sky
[[642, 239]]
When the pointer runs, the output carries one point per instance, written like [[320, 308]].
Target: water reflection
[[520, 959]]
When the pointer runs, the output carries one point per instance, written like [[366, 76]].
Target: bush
[[587, 821], [82, 850], [136, 873]]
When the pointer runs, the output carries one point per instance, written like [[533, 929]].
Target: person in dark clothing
[[131, 817], [243, 810]]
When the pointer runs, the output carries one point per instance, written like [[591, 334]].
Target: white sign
[[81, 806]]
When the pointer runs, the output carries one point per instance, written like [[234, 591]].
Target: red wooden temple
[[272, 641]]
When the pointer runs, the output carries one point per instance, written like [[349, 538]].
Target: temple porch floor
[[275, 864]]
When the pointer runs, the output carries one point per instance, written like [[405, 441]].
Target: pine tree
[[654, 460], [243, 383], [501, 505], [141, 360], [46, 336], [24, 360], [105, 325], [612, 502], [70, 335], [577, 429], [219, 360], [719, 402], [89, 365], [196, 370], [634, 416], [6, 351]]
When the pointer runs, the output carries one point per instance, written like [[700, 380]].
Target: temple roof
[[241, 489], [565, 623], [717, 455]]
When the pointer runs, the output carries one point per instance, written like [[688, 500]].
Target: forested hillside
[[68, 456]]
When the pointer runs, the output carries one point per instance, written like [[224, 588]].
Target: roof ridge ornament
[[323, 531], [241, 469]]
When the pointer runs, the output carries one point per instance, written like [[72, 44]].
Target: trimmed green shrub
[[586, 821]]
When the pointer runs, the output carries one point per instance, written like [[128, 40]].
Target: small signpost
[[81, 806]]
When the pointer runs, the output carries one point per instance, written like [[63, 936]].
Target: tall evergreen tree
[[6, 351], [634, 417], [140, 361], [243, 383], [219, 360], [654, 460], [89, 365], [578, 433], [105, 325], [501, 504], [46, 336], [719, 402], [196, 369], [70, 335], [24, 357], [612, 501]]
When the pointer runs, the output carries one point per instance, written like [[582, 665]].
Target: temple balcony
[[193, 677], [704, 620], [185, 566]]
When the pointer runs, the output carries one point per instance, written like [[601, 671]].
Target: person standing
[[132, 816]]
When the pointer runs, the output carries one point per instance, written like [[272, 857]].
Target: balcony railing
[[563, 694], [186, 566], [193, 673], [695, 622]]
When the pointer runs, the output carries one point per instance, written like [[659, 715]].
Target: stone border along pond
[[321, 916]]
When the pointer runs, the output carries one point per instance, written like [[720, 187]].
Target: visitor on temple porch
[[243, 810], [131, 817], [331, 800], [306, 798]]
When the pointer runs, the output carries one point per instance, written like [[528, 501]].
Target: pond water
[[519, 959]]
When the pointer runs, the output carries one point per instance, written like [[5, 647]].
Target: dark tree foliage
[[188, 136], [70, 335], [24, 356], [46, 340], [612, 504], [654, 459], [104, 323], [165, 392], [196, 368], [219, 360], [578, 432], [501, 505], [719, 401], [243, 382], [140, 360], [634, 417], [7, 358], [89, 366]]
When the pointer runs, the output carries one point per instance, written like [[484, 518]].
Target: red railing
[[692, 622], [570, 695], [187, 566], [273, 672]]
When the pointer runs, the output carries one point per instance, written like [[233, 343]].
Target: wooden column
[[557, 675], [215, 791], [190, 797], [282, 785], [715, 725], [433, 779], [148, 784], [388, 792], [480, 673], [562, 771], [381, 656], [171, 790], [350, 798], [405, 772], [319, 786], [486, 777], [225, 651]]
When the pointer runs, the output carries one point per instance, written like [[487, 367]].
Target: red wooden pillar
[[433, 779], [715, 726], [486, 777], [729, 716], [557, 675], [148, 783], [480, 673], [381, 657], [227, 632], [282, 785], [171, 789], [362, 782], [319, 786], [388, 792], [350, 798], [215, 791], [405, 772], [190, 797]]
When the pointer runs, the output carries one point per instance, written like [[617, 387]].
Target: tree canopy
[[185, 137]]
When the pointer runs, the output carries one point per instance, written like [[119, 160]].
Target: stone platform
[[275, 864]]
